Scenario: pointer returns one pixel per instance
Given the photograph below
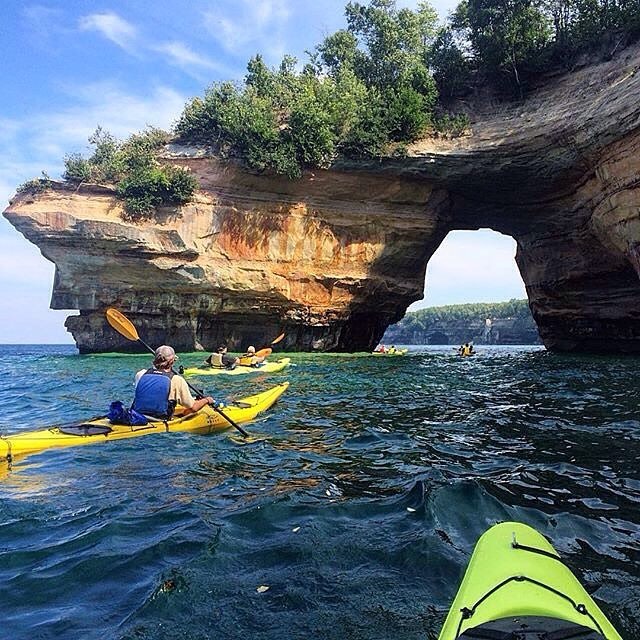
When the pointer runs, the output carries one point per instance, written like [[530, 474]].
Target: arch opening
[[474, 275]]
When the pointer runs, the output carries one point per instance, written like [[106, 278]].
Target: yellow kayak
[[397, 352], [204, 421], [267, 367]]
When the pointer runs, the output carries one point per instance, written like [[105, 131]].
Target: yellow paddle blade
[[264, 353], [121, 324], [280, 337]]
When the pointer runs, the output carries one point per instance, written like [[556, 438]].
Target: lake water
[[357, 502]]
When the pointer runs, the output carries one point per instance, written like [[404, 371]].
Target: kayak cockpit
[[85, 430], [530, 628]]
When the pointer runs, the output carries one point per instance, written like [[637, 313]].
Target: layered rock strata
[[335, 257]]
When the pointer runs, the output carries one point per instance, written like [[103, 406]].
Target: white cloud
[[180, 55], [112, 27], [236, 25], [39, 142], [52, 135], [46, 26]]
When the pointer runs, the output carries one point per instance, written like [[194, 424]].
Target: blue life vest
[[152, 393]]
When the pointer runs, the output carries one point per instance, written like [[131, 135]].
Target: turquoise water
[[357, 502]]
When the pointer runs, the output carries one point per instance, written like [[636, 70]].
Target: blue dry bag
[[119, 415]]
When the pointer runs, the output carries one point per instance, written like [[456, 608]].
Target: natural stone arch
[[337, 256]]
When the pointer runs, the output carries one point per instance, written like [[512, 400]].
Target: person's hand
[[212, 402]]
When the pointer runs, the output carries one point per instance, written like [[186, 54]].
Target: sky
[[71, 65]]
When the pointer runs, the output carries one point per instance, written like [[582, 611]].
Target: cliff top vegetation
[[364, 92]]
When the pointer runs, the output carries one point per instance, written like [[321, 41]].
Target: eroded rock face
[[335, 257], [331, 260]]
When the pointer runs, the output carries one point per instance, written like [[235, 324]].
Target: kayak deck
[[517, 586], [267, 367], [205, 421]]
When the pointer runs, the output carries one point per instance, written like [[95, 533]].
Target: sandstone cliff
[[335, 257]]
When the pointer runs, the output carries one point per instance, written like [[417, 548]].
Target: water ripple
[[351, 514]]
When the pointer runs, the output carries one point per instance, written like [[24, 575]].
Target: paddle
[[266, 352], [278, 339], [125, 328]]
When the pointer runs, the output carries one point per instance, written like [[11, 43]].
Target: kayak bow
[[205, 421], [516, 586]]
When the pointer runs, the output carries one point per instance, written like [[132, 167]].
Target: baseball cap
[[164, 354]]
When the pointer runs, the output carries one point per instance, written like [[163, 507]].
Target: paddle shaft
[[198, 392]]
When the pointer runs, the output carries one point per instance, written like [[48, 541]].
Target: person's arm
[[198, 404], [182, 395]]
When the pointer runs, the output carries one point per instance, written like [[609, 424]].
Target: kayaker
[[221, 359], [159, 389], [250, 358]]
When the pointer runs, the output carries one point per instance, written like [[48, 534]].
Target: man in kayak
[[221, 359], [159, 389]]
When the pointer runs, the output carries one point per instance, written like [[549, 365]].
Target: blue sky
[[68, 66]]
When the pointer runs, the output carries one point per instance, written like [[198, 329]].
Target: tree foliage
[[133, 168], [363, 89], [36, 185], [512, 40]]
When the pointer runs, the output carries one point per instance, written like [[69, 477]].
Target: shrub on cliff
[[508, 43], [363, 90], [37, 185], [133, 169]]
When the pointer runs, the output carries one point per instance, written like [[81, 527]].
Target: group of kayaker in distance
[[222, 359]]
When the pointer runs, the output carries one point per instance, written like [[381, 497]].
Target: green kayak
[[517, 588], [267, 367]]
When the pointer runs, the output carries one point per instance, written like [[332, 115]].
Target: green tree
[[132, 167], [451, 68], [509, 37], [362, 89]]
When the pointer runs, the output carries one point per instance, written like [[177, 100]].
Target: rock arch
[[337, 256]]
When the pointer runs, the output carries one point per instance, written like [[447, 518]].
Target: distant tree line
[[424, 319], [508, 323], [366, 91]]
